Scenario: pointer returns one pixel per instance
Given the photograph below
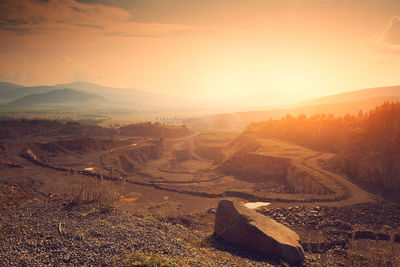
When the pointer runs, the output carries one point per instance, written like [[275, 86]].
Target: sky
[[203, 48]]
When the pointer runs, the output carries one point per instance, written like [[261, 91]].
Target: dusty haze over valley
[[200, 133]]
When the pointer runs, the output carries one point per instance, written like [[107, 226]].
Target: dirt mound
[[11, 129], [77, 129], [182, 155], [149, 129], [210, 145], [132, 159], [241, 144], [14, 128], [79, 145]]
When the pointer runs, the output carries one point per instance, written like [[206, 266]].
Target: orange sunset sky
[[203, 47]]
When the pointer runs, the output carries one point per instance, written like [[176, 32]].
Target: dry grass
[[83, 190], [140, 258]]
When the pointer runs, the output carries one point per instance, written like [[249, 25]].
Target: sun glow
[[294, 80], [298, 78], [311, 48]]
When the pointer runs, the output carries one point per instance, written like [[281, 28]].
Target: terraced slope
[[255, 158], [247, 164]]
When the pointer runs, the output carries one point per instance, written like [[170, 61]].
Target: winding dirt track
[[345, 192], [355, 193]]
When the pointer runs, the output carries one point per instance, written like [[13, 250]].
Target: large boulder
[[248, 229]]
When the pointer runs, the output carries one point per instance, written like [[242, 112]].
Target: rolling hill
[[353, 96], [256, 107], [55, 97], [11, 92], [339, 105], [7, 90], [107, 97]]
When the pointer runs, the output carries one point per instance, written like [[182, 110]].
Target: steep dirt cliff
[[302, 182], [256, 167], [131, 159], [80, 145], [373, 167], [241, 144], [247, 159]]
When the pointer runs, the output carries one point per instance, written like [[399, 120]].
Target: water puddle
[[255, 205], [128, 199], [131, 197]]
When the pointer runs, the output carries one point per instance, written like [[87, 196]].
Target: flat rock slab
[[248, 229]]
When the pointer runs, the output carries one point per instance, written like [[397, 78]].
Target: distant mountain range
[[9, 91], [132, 99], [79, 95], [352, 96], [93, 97], [339, 105], [55, 97]]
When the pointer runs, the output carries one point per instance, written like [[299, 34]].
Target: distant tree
[[288, 117], [347, 117], [302, 117]]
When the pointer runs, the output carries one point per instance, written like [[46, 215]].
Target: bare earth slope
[[163, 181]]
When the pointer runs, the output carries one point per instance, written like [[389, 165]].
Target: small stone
[[67, 258]]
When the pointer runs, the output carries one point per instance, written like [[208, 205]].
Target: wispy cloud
[[391, 35], [60, 16], [389, 41]]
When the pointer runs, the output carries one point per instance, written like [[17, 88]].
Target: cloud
[[18, 69], [389, 41], [69, 16], [75, 71], [391, 35], [21, 69]]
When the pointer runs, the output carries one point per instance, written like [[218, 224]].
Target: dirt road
[[211, 185]]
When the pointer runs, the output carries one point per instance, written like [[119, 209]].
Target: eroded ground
[[181, 180]]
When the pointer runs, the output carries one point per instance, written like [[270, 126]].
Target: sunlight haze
[[204, 49]]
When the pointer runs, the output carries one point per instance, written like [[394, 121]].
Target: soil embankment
[[153, 180], [254, 158]]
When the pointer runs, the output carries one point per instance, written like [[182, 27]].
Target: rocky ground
[[42, 223], [358, 235], [37, 230]]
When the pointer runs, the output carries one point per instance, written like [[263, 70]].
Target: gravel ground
[[45, 231], [357, 235], [38, 230]]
